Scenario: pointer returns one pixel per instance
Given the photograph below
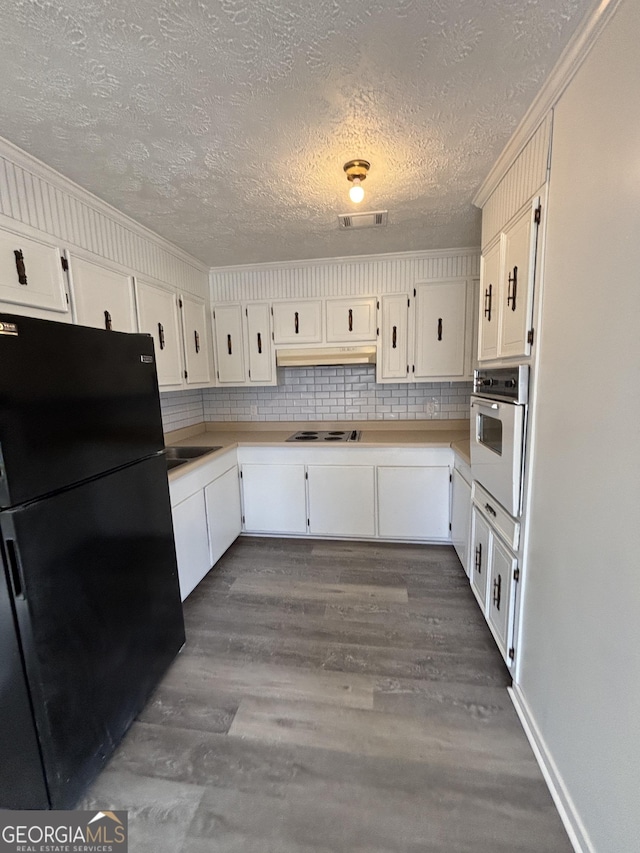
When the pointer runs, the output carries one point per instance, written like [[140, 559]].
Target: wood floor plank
[[215, 676], [371, 733], [293, 588]]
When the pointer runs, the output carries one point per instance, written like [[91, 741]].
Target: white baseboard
[[561, 797]]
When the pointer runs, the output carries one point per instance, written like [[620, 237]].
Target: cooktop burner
[[325, 435]]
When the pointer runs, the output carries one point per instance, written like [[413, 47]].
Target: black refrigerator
[[90, 612]]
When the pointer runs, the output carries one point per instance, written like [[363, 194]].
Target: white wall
[[580, 648]]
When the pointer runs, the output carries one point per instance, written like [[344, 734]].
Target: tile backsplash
[[319, 394]]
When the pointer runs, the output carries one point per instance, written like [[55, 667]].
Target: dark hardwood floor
[[333, 697]]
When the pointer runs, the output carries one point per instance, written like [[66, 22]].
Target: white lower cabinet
[[413, 502], [480, 556], [495, 574], [224, 515], [205, 504], [274, 498], [192, 541], [499, 603], [342, 500], [461, 518]]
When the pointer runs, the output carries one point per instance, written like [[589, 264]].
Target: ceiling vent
[[363, 220]]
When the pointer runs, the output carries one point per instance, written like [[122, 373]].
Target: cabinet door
[[461, 518], [440, 329], [297, 322], [222, 497], [480, 556], [261, 354], [192, 542], [413, 502], [351, 319], [341, 500], [31, 273], [274, 498], [394, 328], [517, 284], [499, 599], [158, 316], [489, 307], [196, 341], [227, 325], [102, 297]]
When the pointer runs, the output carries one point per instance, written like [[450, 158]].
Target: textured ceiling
[[224, 124]]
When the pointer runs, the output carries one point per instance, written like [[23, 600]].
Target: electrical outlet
[[433, 407]]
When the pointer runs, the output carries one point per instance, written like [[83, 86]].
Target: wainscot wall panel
[[523, 179], [33, 195], [364, 275]]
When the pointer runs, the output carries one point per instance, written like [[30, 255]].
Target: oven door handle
[[485, 405]]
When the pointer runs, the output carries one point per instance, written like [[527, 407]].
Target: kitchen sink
[[176, 456]]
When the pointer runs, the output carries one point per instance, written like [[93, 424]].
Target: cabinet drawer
[[506, 526]]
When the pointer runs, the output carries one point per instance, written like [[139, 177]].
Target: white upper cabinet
[[158, 316], [31, 273], [102, 297], [517, 285], [506, 288], [351, 319], [260, 352], [490, 265], [297, 321], [196, 340], [393, 363], [229, 344], [440, 329]]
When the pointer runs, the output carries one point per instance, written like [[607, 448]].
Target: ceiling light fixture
[[356, 173]]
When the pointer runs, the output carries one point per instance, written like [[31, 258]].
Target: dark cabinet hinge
[[214, 315], [537, 214], [308, 523], [414, 292], [249, 373], [450, 478], [240, 474], [512, 653], [179, 302], [530, 336], [449, 525], [64, 263], [218, 374], [306, 475], [272, 310], [378, 333], [246, 312], [243, 519], [378, 304], [66, 296], [516, 575], [186, 375], [408, 303], [413, 368]]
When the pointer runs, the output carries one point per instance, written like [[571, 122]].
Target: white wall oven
[[498, 417]]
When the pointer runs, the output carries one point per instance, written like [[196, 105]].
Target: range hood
[[323, 356]]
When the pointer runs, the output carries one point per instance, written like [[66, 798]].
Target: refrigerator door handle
[[15, 569]]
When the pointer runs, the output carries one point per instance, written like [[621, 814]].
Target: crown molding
[[347, 259], [36, 167], [570, 60]]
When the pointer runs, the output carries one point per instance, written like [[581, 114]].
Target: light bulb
[[356, 193]]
